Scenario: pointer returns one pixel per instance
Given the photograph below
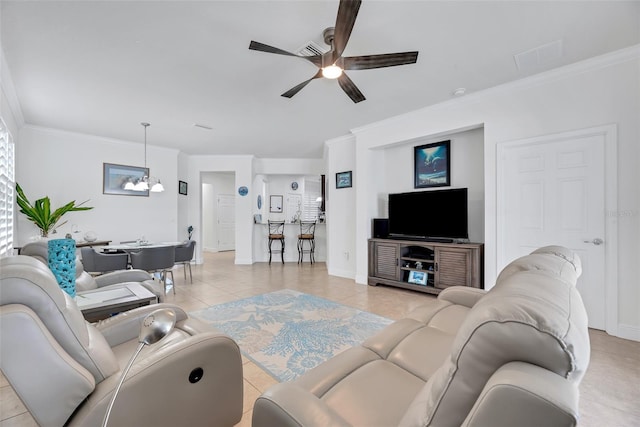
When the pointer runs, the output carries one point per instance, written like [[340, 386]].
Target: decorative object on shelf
[[190, 231], [116, 179], [90, 236], [343, 179], [243, 191], [259, 201], [418, 265], [275, 204], [146, 181], [62, 262], [294, 185], [417, 277], [432, 165], [40, 211], [182, 188]]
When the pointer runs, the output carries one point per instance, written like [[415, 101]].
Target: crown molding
[[620, 56]]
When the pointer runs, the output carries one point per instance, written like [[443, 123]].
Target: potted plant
[[40, 211]]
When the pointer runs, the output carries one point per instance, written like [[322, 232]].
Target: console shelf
[[445, 264]]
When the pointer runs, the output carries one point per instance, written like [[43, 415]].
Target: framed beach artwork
[[114, 177], [343, 179], [432, 165]]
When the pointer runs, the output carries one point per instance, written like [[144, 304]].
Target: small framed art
[[432, 165], [182, 187], [343, 179], [417, 277]]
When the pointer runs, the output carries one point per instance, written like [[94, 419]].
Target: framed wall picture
[[114, 178], [432, 165], [182, 187], [275, 204], [417, 277], [343, 179]]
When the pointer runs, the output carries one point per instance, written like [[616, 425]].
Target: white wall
[[467, 171], [68, 166], [599, 91], [242, 166], [214, 184], [341, 212]]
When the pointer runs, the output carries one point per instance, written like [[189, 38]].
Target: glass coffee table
[[99, 304]]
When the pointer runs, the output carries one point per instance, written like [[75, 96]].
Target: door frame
[[610, 134]]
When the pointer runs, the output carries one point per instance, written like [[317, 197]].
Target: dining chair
[[184, 255], [156, 260], [96, 262]]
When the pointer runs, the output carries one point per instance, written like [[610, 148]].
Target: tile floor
[[610, 391]]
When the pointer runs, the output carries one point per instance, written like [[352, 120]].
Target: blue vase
[[62, 262]]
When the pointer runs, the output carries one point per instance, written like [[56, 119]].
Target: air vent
[[311, 49], [534, 59]]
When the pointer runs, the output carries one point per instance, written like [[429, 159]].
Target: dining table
[[138, 245]]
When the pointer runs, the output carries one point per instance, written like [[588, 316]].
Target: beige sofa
[[512, 356]]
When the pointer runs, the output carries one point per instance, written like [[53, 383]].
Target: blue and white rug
[[288, 332]]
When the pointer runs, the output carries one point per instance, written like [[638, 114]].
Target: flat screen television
[[429, 215]]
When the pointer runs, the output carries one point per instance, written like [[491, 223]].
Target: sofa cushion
[[534, 314]]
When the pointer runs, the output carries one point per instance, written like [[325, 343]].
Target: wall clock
[[294, 185]]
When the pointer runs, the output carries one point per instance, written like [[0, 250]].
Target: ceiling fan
[[332, 64]]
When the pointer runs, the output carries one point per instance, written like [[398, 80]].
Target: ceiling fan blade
[[347, 13], [368, 62], [350, 88], [297, 88], [254, 45]]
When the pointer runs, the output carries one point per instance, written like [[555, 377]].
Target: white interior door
[[551, 191], [226, 208]]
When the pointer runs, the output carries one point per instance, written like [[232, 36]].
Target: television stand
[[446, 264]]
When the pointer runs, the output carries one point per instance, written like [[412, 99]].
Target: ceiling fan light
[[332, 72]]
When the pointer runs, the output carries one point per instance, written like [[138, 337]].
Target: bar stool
[[276, 232], [307, 234]]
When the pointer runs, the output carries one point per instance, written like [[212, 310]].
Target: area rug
[[288, 332]]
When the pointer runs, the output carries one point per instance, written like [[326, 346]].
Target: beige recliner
[[85, 282], [512, 356], [65, 369]]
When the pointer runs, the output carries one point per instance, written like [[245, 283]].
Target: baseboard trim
[[347, 274], [629, 332]]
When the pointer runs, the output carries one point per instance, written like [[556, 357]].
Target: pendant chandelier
[[150, 183]]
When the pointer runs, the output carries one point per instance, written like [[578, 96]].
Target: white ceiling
[[102, 67]]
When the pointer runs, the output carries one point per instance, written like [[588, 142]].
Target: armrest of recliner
[[50, 383], [527, 396], [126, 325], [287, 405], [462, 295], [122, 276], [190, 379]]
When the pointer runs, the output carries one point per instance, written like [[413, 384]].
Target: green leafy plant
[[40, 211]]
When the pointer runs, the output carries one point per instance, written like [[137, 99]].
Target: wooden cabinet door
[[453, 267], [385, 260]]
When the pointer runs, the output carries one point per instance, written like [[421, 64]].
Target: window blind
[[7, 190], [310, 205]]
